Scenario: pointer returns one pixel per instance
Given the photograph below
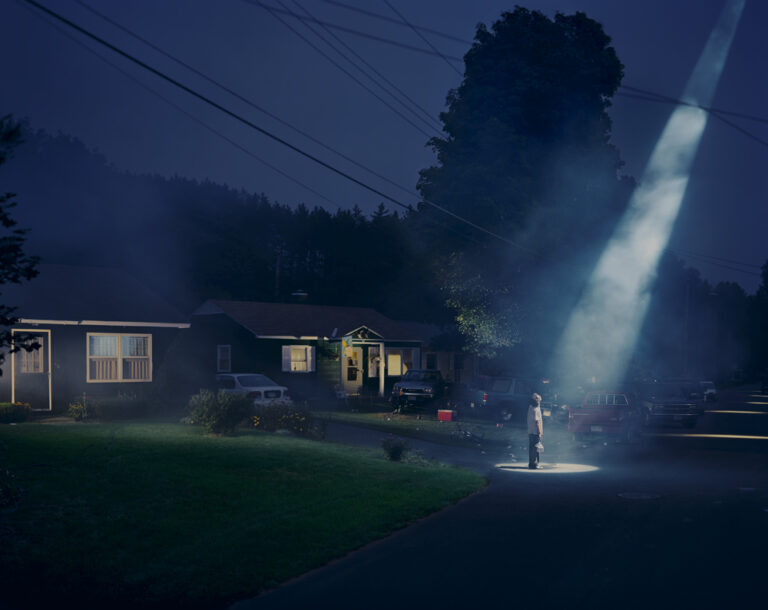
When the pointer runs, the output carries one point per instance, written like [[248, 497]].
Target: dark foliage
[[526, 155], [16, 265]]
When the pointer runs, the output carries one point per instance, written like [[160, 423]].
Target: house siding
[[68, 364]]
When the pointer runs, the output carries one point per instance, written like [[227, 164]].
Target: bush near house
[[272, 418], [219, 413], [108, 408], [12, 412]]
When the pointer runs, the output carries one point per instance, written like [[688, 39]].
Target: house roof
[[299, 320], [77, 294]]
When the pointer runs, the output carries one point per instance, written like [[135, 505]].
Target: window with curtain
[[119, 357], [298, 358], [398, 361]]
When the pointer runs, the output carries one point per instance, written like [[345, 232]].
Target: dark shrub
[[286, 417], [12, 412], [395, 448], [108, 408], [219, 413]]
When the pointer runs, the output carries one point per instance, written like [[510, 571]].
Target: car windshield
[[255, 381], [667, 391], [421, 376], [489, 384]]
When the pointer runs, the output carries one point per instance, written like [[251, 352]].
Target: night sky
[[51, 78]]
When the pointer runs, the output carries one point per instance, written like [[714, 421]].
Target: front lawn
[[427, 427], [148, 514]]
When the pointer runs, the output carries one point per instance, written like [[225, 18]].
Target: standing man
[[535, 430]]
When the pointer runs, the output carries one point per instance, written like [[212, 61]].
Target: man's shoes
[[534, 466]]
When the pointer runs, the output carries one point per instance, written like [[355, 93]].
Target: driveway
[[602, 525]]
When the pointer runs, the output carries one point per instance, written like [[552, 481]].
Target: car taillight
[[254, 395]]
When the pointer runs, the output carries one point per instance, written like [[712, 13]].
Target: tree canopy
[[527, 154], [15, 265]]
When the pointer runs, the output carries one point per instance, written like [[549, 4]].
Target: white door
[[352, 370]]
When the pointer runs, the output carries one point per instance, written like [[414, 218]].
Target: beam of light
[[603, 329]]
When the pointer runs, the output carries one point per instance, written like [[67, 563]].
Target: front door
[[352, 370], [31, 381]]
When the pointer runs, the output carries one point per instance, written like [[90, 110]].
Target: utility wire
[[246, 100], [376, 82], [278, 119], [355, 32], [651, 95], [666, 98], [259, 129], [662, 99], [396, 21], [426, 114], [274, 13], [424, 38], [432, 221], [180, 109], [704, 261]]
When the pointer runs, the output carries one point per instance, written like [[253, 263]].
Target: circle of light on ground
[[547, 468]]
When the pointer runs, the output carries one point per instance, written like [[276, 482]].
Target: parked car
[[613, 413], [501, 398], [669, 403], [708, 390], [261, 388], [419, 388]]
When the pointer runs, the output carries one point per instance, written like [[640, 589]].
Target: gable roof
[[299, 320], [76, 294]]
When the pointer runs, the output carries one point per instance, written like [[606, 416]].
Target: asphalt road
[[678, 520]]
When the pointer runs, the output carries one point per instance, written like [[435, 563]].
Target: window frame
[[310, 358], [220, 359], [118, 357]]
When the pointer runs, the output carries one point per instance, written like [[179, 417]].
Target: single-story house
[[100, 331], [314, 350], [442, 350]]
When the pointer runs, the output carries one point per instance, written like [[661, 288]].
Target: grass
[[426, 427], [162, 514]]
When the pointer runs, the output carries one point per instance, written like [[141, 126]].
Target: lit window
[[223, 358], [298, 358], [399, 361], [119, 357], [30, 362]]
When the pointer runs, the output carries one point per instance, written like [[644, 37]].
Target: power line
[[705, 259], [335, 63], [426, 114], [666, 98], [261, 130], [346, 58], [355, 32], [247, 101], [396, 21], [420, 35], [184, 112], [663, 99]]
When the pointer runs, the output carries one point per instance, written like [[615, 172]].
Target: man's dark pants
[[533, 453]]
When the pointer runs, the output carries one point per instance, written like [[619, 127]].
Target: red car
[[606, 413]]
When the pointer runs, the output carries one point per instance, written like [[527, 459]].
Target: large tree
[[527, 155], [15, 265]]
